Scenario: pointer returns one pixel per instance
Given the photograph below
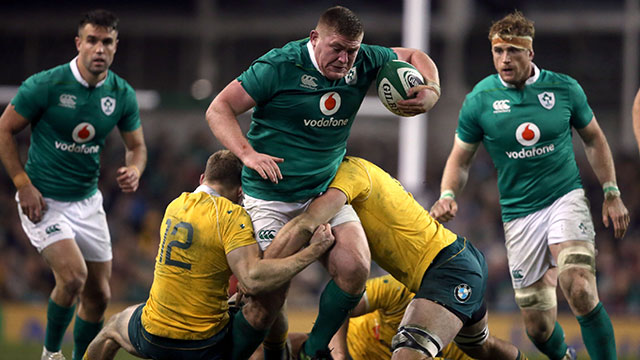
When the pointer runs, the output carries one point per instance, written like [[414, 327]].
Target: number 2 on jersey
[[176, 243]]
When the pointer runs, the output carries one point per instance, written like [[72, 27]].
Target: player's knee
[[74, 283], [576, 265], [579, 290], [258, 315], [540, 298], [351, 276], [416, 338], [96, 300]]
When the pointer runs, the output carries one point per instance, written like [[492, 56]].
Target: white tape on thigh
[[536, 298], [577, 256]]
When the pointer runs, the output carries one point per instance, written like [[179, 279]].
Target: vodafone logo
[[330, 103], [83, 132], [527, 134]]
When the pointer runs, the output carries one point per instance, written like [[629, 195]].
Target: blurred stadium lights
[[201, 89], [147, 99]]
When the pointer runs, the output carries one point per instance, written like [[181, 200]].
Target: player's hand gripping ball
[[394, 79]]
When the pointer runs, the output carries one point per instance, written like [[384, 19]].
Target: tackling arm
[[297, 232], [454, 178], [222, 114], [599, 156], [256, 275]]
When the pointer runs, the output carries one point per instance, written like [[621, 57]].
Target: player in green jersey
[[305, 97], [71, 109], [635, 113], [524, 116], [205, 237]]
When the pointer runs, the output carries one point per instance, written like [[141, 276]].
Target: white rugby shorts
[[84, 221], [528, 238], [268, 217]]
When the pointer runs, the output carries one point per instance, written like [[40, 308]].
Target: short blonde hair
[[514, 24]]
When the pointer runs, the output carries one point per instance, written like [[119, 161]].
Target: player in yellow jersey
[[446, 272], [204, 238], [375, 320], [373, 324]]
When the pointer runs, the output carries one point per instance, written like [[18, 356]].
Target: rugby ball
[[394, 79]]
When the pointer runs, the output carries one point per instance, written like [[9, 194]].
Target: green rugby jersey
[[303, 117], [69, 123], [527, 133]]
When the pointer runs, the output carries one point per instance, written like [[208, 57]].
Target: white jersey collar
[[78, 76], [204, 188], [531, 80], [312, 55]]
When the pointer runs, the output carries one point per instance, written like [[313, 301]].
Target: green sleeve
[[469, 129], [260, 81], [131, 115], [581, 113], [32, 96], [378, 55]]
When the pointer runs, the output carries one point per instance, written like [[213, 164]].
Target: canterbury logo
[[501, 106], [266, 234], [53, 228], [68, 101], [308, 81]]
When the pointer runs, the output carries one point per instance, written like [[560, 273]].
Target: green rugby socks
[[555, 347], [334, 308], [83, 333], [597, 333], [58, 319], [245, 337]]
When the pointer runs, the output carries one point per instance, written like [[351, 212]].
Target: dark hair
[[343, 21], [514, 24], [223, 167], [99, 17]]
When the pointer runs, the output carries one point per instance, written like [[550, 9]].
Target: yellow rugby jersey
[[188, 297], [369, 336], [403, 238]]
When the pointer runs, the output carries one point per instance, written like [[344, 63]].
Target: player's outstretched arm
[[222, 114], [599, 156], [296, 233], [31, 200], [256, 275], [128, 177], [454, 178]]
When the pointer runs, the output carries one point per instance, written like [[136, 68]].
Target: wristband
[[447, 193], [610, 189], [135, 168], [433, 86], [21, 180]]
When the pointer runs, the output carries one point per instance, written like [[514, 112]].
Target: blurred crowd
[[174, 167]]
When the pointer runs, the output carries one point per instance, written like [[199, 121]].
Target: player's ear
[[201, 178], [531, 54], [313, 37], [78, 41]]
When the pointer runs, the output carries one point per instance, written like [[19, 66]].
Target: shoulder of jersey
[[290, 53]]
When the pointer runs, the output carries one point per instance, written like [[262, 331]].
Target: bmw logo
[[462, 292]]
